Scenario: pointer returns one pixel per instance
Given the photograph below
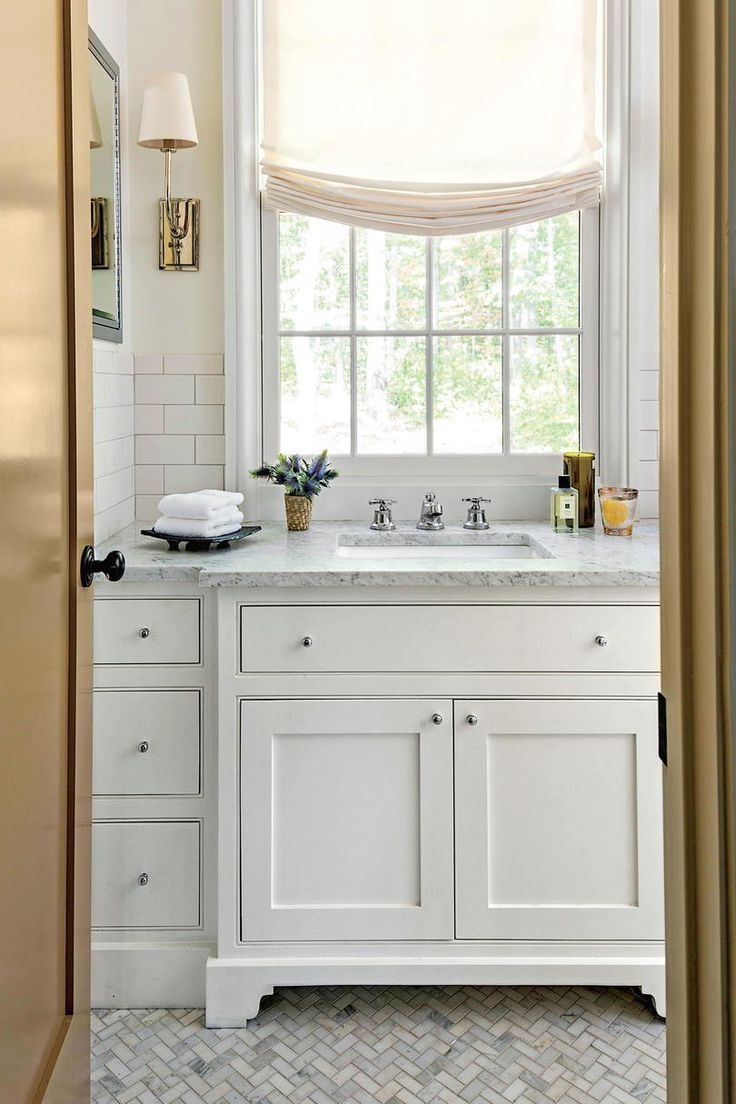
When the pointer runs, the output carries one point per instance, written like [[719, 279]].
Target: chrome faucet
[[382, 520], [476, 518], [430, 517]]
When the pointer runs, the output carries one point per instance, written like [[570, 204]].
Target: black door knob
[[113, 566]]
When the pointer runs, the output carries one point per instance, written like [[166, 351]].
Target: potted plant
[[302, 480]]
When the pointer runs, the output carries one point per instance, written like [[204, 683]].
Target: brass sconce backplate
[[184, 255]]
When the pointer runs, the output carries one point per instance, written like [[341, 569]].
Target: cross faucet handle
[[382, 520], [476, 518]]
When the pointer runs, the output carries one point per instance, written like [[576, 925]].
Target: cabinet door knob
[[437, 718], [307, 642], [601, 641], [142, 879], [143, 746], [471, 719], [144, 633]]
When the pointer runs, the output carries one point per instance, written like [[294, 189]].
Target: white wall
[[644, 258], [174, 321], [177, 317], [177, 312], [113, 363]]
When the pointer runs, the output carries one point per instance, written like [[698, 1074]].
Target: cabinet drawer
[[147, 742], [146, 874], [147, 630], [449, 638]]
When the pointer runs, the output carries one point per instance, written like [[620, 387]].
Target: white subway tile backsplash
[[103, 360], [649, 475], [210, 389], [113, 385], [648, 444], [125, 362], [198, 364], [112, 456], [113, 489], [193, 419], [151, 364], [167, 420], [149, 479], [648, 505], [210, 450], [149, 419], [649, 386], [112, 422], [649, 415], [112, 390], [164, 389], [194, 477], [164, 449], [146, 507], [109, 522]]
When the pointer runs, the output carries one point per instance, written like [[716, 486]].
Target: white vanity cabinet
[[419, 788], [375, 785]]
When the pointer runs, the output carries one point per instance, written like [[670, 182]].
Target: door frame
[[698, 478], [67, 1076]]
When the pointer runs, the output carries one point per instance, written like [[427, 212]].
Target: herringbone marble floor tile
[[390, 1045]]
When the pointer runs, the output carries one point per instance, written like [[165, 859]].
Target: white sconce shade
[[167, 116]]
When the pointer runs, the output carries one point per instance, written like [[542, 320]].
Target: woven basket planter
[[298, 512]]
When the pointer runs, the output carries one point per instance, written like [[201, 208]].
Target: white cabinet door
[[346, 820], [558, 820]]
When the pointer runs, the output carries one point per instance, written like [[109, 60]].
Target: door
[[558, 820], [346, 820], [46, 497]]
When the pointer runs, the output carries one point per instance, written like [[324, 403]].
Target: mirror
[[104, 151]]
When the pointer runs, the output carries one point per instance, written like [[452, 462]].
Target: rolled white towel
[[198, 527], [205, 505]]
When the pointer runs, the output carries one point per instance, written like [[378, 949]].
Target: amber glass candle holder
[[618, 510]]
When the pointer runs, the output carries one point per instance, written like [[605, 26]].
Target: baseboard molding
[[149, 975], [235, 986]]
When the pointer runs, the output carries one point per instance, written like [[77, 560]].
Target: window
[[404, 353]]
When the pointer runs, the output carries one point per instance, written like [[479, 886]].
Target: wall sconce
[[167, 124]]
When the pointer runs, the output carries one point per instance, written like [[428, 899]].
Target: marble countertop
[[276, 558]]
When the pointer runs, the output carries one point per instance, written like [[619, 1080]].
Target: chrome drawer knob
[[142, 879], [471, 719], [307, 642], [144, 633], [601, 641], [437, 718], [143, 746]]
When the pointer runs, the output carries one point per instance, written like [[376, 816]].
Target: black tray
[[203, 544]]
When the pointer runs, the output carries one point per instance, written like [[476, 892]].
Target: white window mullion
[[505, 347], [353, 351], [429, 351]]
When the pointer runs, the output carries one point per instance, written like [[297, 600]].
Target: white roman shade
[[430, 116]]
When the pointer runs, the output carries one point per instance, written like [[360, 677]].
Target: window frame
[[628, 327], [434, 466]]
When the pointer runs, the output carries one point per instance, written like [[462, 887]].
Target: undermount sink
[[442, 546]]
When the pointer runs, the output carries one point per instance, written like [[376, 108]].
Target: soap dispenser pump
[[564, 506]]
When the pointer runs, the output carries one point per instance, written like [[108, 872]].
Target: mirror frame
[[109, 329]]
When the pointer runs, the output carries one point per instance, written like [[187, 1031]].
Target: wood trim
[[67, 1079], [696, 592]]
